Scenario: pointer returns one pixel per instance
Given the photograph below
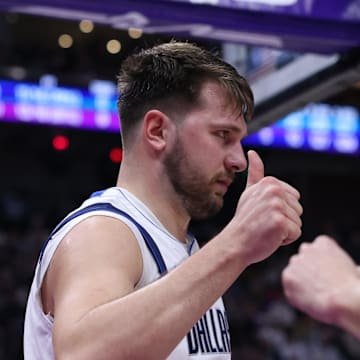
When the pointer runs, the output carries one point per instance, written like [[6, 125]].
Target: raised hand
[[267, 215], [319, 278], [256, 169]]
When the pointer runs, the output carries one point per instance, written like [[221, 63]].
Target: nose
[[235, 160]]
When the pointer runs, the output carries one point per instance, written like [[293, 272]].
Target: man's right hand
[[267, 215]]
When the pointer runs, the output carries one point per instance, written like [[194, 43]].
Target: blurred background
[[59, 136]]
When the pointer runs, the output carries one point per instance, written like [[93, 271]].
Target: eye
[[223, 134]]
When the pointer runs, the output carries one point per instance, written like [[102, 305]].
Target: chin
[[211, 209], [204, 206]]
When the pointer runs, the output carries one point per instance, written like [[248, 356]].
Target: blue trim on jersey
[[96, 193], [191, 245], [150, 243]]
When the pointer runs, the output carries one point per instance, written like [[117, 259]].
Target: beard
[[191, 185]]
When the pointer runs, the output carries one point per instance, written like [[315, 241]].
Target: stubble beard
[[193, 189]]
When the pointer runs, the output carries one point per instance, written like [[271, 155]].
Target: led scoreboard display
[[60, 106], [317, 127]]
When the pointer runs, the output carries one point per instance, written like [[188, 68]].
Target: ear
[[156, 129]]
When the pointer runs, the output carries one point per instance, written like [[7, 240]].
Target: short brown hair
[[169, 76]]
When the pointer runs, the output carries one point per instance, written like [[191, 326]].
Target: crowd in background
[[38, 187], [263, 325]]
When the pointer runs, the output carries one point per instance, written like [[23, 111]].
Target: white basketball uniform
[[207, 340]]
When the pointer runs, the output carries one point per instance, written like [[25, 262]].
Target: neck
[[157, 194]]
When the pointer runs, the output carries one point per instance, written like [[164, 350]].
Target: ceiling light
[[113, 46], [86, 26], [65, 41], [135, 33]]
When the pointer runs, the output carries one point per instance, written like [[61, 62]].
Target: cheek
[[193, 136], [201, 147], [203, 143]]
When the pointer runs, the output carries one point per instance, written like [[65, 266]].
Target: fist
[[320, 276], [267, 215]]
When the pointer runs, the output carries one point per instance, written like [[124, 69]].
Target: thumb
[[255, 168]]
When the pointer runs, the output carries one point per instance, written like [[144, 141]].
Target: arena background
[[40, 184]]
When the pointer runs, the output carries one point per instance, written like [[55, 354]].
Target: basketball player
[[121, 277], [323, 281]]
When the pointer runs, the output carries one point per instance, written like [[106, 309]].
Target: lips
[[224, 182]]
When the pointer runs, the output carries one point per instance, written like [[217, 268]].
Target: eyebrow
[[232, 128]]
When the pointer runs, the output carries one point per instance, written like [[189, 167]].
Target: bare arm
[[99, 316], [323, 281]]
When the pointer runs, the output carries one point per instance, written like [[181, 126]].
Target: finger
[[293, 228], [304, 246], [255, 168], [293, 215], [294, 232], [290, 189], [294, 204], [324, 239]]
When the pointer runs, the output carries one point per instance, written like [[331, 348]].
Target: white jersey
[[209, 337]]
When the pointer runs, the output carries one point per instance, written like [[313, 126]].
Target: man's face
[[206, 153]]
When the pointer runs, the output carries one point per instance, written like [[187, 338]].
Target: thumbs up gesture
[[255, 169], [267, 215]]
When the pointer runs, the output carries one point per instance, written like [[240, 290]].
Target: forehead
[[215, 96], [215, 111], [216, 104]]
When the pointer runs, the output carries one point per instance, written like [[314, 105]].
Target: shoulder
[[100, 256]]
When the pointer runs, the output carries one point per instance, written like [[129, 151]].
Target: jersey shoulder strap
[[149, 241]]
